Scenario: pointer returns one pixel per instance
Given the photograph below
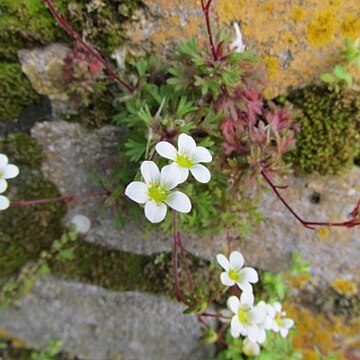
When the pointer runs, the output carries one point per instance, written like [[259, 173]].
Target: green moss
[[26, 231], [329, 138], [15, 91]]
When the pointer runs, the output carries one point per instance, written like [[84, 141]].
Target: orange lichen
[[321, 27], [350, 27], [298, 13], [328, 334], [345, 287], [272, 66]]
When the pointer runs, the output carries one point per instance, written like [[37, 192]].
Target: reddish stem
[[205, 9], [310, 224], [230, 240], [67, 27], [178, 295], [217, 316], [186, 265], [67, 198]]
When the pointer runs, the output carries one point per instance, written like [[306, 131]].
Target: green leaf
[[67, 254], [341, 72], [328, 78]]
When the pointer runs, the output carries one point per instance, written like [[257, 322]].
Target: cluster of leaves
[[341, 74], [213, 102], [53, 349]]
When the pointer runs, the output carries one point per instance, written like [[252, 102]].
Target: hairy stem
[[312, 224], [178, 295], [205, 9], [67, 27]]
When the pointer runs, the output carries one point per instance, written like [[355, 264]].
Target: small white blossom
[[281, 324], [237, 45], [250, 348], [7, 171], [187, 158], [155, 192], [235, 273], [4, 202], [82, 223], [247, 318], [268, 323]]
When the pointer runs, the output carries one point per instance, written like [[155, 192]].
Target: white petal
[[3, 160], [166, 150], [277, 307], [11, 171], [137, 191], [155, 212], [223, 261], [201, 173], [245, 286], [247, 298], [250, 348], [236, 260], [253, 333], [82, 223], [224, 277], [202, 154], [183, 173], [234, 332], [268, 324], [284, 332], [233, 304], [235, 324], [287, 323], [4, 202], [150, 172], [257, 315], [179, 202], [249, 274], [186, 144], [262, 336], [3, 185], [169, 177]]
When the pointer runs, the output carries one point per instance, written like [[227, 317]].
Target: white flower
[[4, 202], [155, 192], [82, 223], [247, 318], [235, 273], [268, 323], [281, 324], [187, 158], [250, 348], [7, 171], [237, 45]]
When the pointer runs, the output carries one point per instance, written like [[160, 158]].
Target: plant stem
[[205, 9], [67, 198], [67, 27], [186, 265], [178, 295], [311, 224]]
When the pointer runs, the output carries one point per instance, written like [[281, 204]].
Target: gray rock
[[96, 324], [72, 152], [43, 66]]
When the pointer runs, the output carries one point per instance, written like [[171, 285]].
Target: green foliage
[[15, 90], [53, 349], [329, 136]]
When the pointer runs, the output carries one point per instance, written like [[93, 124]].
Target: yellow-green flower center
[[243, 316], [184, 161], [157, 193], [1, 175], [278, 320], [234, 275]]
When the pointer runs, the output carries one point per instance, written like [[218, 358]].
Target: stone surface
[[298, 39], [96, 324], [72, 152], [43, 66]]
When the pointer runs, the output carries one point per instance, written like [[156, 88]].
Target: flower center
[[234, 275], [243, 316], [278, 320], [1, 175], [184, 161], [157, 193]]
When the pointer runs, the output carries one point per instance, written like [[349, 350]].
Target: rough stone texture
[[43, 66], [72, 151], [96, 324], [298, 39]]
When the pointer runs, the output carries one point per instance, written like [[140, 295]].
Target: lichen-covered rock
[[99, 324], [72, 152], [298, 40]]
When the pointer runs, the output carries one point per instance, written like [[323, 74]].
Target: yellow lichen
[[335, 3], [350, 27], [298, 13], [323, 232], [16, 342], [272, 66], [321, 28], [345, 287], [228, 10], [299, 281]]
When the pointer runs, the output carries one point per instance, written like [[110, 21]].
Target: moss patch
[[329, 138]]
